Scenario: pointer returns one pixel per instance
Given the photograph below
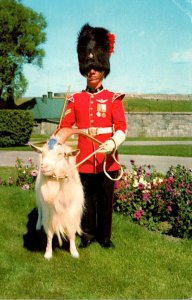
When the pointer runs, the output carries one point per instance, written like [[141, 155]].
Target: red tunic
[[101, 109]]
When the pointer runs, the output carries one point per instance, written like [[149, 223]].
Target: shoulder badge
[[68, 111]]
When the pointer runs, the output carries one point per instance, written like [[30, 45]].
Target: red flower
[[170, 180]]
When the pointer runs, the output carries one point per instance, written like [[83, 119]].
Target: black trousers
[[99, 194]]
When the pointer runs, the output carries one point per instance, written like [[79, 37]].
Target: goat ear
[[36, 147], [74, 152]]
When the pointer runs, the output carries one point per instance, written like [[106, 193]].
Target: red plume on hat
[[94, 47], [111, 38]]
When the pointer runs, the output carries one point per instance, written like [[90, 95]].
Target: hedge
[[15, 127]]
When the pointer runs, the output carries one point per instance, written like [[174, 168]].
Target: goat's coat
[[60, 196]]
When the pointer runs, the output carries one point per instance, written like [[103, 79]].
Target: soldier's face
[[94, 78]]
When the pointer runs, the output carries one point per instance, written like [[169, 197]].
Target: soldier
[[98, 112]]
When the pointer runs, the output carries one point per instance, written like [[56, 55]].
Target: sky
[[153, 46]]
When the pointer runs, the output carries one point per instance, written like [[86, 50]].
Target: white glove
[[113, 143]]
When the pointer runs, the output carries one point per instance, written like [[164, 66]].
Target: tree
[[22, 31]]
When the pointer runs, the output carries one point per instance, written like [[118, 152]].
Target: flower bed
[[157, 201], [26, 175], [145, 196]]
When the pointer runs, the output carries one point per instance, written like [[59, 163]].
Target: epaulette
[[71, 98], [118, 96]]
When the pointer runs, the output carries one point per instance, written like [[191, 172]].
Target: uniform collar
[[92, 90]]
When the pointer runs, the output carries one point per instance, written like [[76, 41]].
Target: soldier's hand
[[107, 147]]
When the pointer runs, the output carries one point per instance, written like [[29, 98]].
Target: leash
[[121, 168], [105, 159], [64, 105], [67, 132], [104, 165]]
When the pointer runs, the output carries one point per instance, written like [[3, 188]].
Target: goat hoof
[[48, 255], [75, 254]]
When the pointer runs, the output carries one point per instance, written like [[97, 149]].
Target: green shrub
[[157, 201], [15, 127]]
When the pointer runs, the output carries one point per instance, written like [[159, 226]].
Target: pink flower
[[169, 208], [141, 186], [182, 184], [25, 187], [139, 171], [34, 173], [169, 189], [10, 181], [121, 197], [146, 196], [138, 214]]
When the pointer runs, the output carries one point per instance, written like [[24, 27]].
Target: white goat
[[60, 196]]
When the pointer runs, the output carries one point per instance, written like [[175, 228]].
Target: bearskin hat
[[94, 47]]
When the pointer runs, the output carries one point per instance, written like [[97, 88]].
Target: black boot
[[107, 243], [84, 242]]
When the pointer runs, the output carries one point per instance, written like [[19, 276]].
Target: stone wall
[[144, 124], [159, 124]]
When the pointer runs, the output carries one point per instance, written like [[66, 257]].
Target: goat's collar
[[57, 178]]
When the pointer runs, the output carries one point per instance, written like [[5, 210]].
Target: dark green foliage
[[21, 33], [179, 198], [15, 127]]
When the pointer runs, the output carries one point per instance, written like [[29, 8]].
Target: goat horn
[[68, 132], [37, 146]]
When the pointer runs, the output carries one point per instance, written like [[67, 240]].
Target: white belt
[[97, 130]]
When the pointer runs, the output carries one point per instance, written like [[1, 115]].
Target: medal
[[101, 110]]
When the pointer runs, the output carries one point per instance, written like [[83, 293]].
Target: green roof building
[[46, 110]]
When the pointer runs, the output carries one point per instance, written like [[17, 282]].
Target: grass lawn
[[143, 264], [152, 105], [164, 150], [166, 139], [161, 150]]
